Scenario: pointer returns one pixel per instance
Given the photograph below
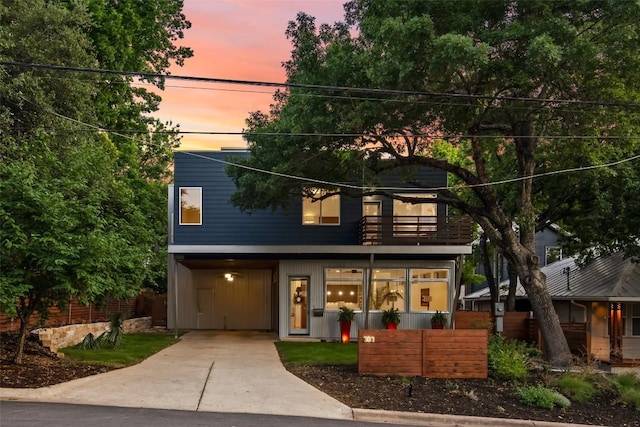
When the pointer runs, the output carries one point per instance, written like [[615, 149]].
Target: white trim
[[321, 249]]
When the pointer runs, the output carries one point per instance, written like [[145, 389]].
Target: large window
[[429, 289], [190, 206], [388, 289], [320, 212], [343, 288], [414, 219]]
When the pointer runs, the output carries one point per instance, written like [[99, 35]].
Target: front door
[[298, 305]]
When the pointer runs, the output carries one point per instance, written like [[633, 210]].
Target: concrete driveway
[[204, 371]]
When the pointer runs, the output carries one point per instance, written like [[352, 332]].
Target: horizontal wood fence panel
[[458, 344], [441, 354]]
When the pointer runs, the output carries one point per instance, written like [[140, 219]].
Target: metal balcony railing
[[416, 230]]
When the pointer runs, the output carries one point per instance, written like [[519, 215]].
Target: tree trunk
[[534, 281], [22, 336], [488, 270]]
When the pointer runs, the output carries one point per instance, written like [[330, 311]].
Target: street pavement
[[227, 372]]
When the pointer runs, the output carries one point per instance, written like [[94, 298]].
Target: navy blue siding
[[224, 224]]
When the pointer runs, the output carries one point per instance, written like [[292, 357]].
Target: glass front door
[[299, 311]]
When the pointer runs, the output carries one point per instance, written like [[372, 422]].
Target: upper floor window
[[320, 212], [190, 206], [414, 219], [552, 254]]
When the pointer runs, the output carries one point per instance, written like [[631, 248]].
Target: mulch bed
[[484, 398]]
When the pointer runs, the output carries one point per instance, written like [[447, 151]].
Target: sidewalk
[[226, 372]]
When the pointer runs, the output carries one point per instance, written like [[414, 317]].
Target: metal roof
[[607, 278]]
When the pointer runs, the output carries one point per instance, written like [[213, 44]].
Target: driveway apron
[[221, 371]]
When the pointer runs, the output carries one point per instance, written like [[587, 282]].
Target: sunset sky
[[233, 39]]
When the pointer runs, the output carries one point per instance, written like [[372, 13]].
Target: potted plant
[[385, 296], [438, 320], [345, 317], [391, 318]]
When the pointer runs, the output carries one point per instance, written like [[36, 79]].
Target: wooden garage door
[[244, 303]]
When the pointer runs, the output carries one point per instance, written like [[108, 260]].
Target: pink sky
[[233, 39]]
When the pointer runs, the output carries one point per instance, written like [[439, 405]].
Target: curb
[[440, 420]]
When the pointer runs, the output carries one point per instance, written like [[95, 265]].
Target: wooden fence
[[518, 325], [432, 353], [139, 306]]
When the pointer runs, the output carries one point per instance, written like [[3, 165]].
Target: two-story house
[[290, 271]]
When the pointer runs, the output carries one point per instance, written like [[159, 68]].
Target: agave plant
[[112, 338]]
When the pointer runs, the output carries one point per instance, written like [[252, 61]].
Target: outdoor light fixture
[[229, 277]]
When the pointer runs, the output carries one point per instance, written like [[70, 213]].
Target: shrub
[[508, 358], [577, 387], [90, 342], [113, 337], [628, 388], [538, 396]]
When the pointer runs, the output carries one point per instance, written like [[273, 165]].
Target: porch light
[[229, 277]]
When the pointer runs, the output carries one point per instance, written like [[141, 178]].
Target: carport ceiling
[[236, 264]]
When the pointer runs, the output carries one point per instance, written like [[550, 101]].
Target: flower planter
[[392, 325], [345, 331]]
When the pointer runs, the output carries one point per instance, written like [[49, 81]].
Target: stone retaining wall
[[67, 336]]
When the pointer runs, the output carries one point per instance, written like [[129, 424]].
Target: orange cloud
[[239, 40]]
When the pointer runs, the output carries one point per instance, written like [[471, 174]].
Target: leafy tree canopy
[[83, 211], [515, 88]]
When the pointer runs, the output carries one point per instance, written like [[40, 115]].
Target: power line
[[448, 103], [363, 188], [314, 87], [120, 132]]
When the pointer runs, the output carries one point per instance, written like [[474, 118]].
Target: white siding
[[327, 327]]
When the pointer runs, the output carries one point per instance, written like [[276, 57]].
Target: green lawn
[[135, 348], [318, 353]]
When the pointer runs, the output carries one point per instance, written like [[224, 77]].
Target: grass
[[134, 349], [576, 387], [318, 353]]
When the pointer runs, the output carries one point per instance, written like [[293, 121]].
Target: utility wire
[[314, 87], [357, 135], [363, 188]]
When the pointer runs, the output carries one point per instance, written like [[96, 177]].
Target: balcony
[[416, 230]]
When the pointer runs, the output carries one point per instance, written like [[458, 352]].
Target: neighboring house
[[604, 294], [548, 250], [290, 271]]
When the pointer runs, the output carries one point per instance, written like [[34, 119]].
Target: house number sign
[[368, 338]]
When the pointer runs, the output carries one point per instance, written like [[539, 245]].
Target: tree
[[508, 82], [82, 211]]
